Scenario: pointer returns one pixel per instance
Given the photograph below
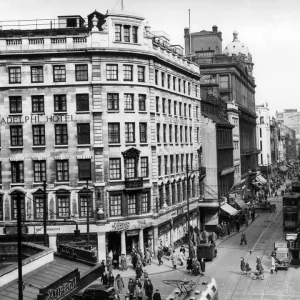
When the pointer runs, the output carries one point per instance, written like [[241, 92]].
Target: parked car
[[207, 251], [282, 255], [95, 292], [265, 205]]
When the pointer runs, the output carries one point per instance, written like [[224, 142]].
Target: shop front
[[179, 227], [164, 233]]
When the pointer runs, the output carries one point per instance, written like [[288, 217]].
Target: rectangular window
[[190, 110], [182, 162], [16, 135], [61, 134], [0, 175], [141, 74], [81, 72], [184, 109], [38, 202], [191, 132], [114, 168], [164, 105], [39, 169], [117, 33], [170, 133], [165, 133], [180, 109], [37, 103], [184, 84], [15, 104], [130, 168], [37, 74], [260, 132], [114, 132], [112, 101], [197, 112], [180, 134], [83, 134], [126, 33], [84, 202], [128, 102], [169, 106], [17, 172], [127, 69], [162, 79], [159, 165], [144, 167], [224, 82], [129, 133], [192, 161], [131, 198], [115, 205], [59, 73], [177, 163], [179, 85], [156, 77], [14, 211], [189, 88], [84, 169], [63, 206], [111, 72], [176, 133], [38, 135], [169, 81], [62, 170], [198, 131], [186, 133], [134, 34], [82, 102], [196, 90], [145, 203], [175, 108], [166, 164], [158, 132], [143, 132], [142, 102], [171, 164], [14, 74], [187, 159], [60, 103], [174, 83], [157, 104]]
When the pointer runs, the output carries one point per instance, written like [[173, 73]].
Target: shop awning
[[240, 203], [229, 209], [283, 168], [261, 179]]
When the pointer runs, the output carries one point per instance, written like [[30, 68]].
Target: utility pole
[[45, 213], [19, 224], [268, 168], [88, 214], [188, 209]]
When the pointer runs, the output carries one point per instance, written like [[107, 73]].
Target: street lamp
[[188, 210]]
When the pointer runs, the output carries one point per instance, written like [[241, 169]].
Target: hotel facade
[[107, 116]]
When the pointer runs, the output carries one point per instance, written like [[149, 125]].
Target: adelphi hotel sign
[[118, 226]]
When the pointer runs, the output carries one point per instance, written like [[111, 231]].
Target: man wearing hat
[[156, 295]]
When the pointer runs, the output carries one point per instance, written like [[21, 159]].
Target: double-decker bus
[[291, 211]]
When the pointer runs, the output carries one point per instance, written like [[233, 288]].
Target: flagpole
[[190, 37]]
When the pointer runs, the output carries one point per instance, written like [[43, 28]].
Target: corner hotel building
[[108, 100]]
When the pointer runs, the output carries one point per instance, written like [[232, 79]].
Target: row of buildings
[[121, 127]]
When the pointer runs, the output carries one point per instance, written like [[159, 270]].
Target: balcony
[[134, 183]]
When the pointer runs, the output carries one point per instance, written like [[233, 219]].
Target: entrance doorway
[[113, 242]]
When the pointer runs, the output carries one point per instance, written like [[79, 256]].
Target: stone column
[[123, 243], [52, 241], [172, 236], [141, 240], [155, 240], [101, 243]]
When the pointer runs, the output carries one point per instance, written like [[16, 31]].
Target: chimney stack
[[215, 29]]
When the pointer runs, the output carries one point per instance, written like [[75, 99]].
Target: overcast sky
[[270, 29]]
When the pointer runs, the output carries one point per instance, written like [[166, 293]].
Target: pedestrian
[[104, 279], [119, 284], [111, 279], [243, 239], [156, 295], [139, 271], [195, 267], [248, 269], [148, 288], [159, 256], [228, 227], [139, 293], [243, 266], [181, 258], [237, 225], [182, 249], [116, 260], [202, 265], [123, 262], [102, 267], [147, 257], [133, 258], [273, 267], [253, 215], [109, 266], [174, 259], [131, 286], [138, 258], [189, 264], [138, 283]]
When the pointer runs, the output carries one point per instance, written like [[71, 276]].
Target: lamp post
[[19, 224], [188, 209], [87, 214], [45, 213]]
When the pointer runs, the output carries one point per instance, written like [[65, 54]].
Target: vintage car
[[264, 206], [282, 255], [207, 251], [96, 291]]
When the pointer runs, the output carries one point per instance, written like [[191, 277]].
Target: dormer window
[[118, 33], [71, 22], [134, 34], [126, 33]]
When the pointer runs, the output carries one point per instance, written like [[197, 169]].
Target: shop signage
[[35, 119], [61, 289], [163, 229], [141, 224], [132, 232], [120, 226], [13, 230]]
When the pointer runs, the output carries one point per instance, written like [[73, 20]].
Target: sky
[[270, 29]]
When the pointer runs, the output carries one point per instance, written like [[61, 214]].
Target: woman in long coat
[[131, 287], [119, 284], [109, 264], [243, 266], [123, 262], [189, 264], [202, 265]]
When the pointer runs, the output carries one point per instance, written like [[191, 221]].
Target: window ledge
[[142, 112], [83, 145], [114, 111], [82, 112], [60, 113], [143, 144], [41, 113], [16, 147], [62, 182], [129, 111], [15, 114], [37, 183], [130, 144], [17, 184], [116, 180], [130, 43], [158, 144], [38, 146], [114, 145], [61, 146], [158, 113]]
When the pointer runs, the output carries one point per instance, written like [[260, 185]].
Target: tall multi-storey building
[[107, 114], [232, 68], [290, 118]]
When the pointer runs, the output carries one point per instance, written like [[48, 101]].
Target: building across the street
[[107, 115]]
